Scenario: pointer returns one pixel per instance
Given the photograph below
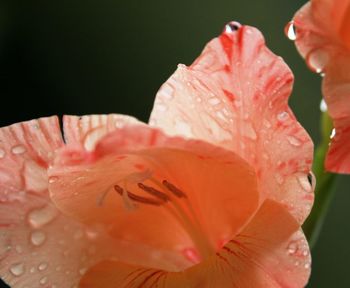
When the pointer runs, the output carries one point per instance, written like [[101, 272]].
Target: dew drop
[[307, 265], [317, 60], [82, 271], [232, 26], [42, 266], [43, 280], [323, 106], [42, 216], [2, 153], [53, 179], [283, 116], [17, 269], [290, 31], [18, 149], [37, 238], [304, 183], [292, 248], [293, 141], [333, 133]]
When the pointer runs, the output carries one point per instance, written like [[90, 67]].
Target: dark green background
[[82, 57]]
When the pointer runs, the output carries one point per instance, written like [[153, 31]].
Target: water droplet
[[82, 271], [43, 280], [2, 153], [17, 269], [333, 133], [323, 106], [32, 270], [53, 179], [304, 183], [18, 149], [42, 216], [317, 60], [232, 26], [290, 31], [293, 141], [283, 116], [292, 248], [42, 266], [37, 238], [307, 265]]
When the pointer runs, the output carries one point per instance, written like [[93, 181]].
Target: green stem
[[325, 186]]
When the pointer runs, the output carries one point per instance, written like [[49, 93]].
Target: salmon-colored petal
[[270, 252], [38, 245], [323, 39], [184, 196], [235, 95]]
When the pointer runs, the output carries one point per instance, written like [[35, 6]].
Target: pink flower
[[323, 39], [211, 194]]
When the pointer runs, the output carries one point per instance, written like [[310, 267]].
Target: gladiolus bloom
[[323, 39], [211, 194]]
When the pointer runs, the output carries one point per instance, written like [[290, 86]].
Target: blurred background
[[83, 57]]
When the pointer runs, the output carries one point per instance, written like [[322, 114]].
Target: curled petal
[[38, 245], [269, 252], [323, 40], [235, 96]]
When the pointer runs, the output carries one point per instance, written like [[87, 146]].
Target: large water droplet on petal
[[232, 26], [42, 266], [42, 216], [17, 269], [292, 247], [43, 280], [37, 238], [305, 183], [317, 60], [290, 31], [18, 149], [293, 141]]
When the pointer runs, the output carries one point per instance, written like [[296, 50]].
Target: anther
[[173, 189], [154, 192], [138, 198]]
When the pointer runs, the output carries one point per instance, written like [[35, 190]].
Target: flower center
[[142, 188]]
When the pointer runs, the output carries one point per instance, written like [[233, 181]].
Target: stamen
[[173, 189], [138, 198], [154, 192]]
